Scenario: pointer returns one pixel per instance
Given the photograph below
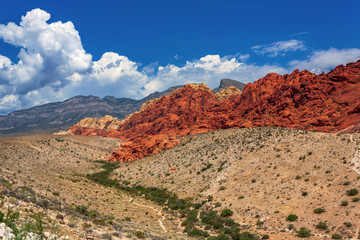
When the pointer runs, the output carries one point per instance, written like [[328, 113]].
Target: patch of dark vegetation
[[221, 224]]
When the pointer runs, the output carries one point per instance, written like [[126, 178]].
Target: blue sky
[[132, 48]]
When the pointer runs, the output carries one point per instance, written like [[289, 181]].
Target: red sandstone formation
[[326, 102]]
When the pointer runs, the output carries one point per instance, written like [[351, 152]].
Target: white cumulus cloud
[[53, 66], [49, 53], [324, 60], [279, 48], [209, 70]]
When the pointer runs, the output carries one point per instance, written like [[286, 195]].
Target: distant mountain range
[[56, 116]]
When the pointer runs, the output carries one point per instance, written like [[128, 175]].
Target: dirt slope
[[263, 174], [47, 173]]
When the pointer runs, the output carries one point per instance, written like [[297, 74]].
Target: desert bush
[[352, 192], [336, 236], [304, 232], [244, 236], [195, 232], [319, 210], [322, 226], [291, 217], [192, 216], [56, 193], [223, 237], [348, 224], [139, 234], [226, 212]]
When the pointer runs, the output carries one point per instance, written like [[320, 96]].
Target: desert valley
[[275, 159]]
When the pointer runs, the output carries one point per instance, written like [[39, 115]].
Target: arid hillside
[[264, 175], [45, 177]]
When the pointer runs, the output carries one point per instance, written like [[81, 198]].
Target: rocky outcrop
[[326, 102], [226, 93], [225, 83]]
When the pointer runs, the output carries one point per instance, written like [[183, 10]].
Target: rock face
[[156, 128], [326, 102], [226, 93]]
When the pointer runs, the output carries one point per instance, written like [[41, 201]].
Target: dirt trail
[[152, 208], [356, 158]]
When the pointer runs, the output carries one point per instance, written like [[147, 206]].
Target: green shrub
[[212, 238], [223, 237], [344, 203], [244, 236], [187, 223], [336, 236], [35, 226], [319, 210], [346, 183], [101, 221], [139, 234], [304, 232], [292, 218], [348, 224], [226, 212], [195, 232], [209, 165], [322, 226], [56, 193], [352, 192], [192, 216], [218, 225]]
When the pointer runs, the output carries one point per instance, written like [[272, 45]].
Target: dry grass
[[55, 169], [263, 174]]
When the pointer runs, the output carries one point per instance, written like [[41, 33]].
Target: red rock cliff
[[326, 102]]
